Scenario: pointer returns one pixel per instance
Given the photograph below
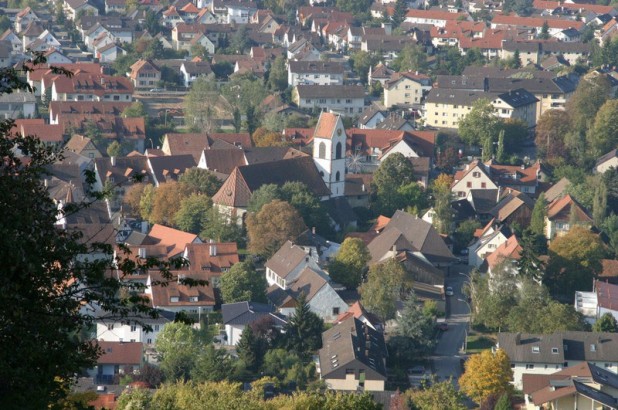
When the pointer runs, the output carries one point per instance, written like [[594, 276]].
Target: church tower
[[329, 146]]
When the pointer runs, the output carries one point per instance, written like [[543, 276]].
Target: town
[[338, 204]]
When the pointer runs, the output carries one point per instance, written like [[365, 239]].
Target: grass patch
[[478, 343]]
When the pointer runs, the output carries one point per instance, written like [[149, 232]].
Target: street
[[446, 358]]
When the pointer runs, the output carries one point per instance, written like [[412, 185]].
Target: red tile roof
[[538, 22], [129, 353], [174, 238], [325, 127], [434, 14], [508, 250]]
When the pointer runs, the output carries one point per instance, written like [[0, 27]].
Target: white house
[[603, 299], [237, 316], [489, 240], [347, 100], [473, 176], [117, 331], [315, 73]]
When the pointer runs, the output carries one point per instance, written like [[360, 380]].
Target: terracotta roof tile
[[129, 353]]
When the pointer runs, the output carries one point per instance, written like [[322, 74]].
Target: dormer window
[[174, 299], [554, 350], [193, 299], [536, 349]]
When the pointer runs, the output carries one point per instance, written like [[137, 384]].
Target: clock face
[[338, 131]]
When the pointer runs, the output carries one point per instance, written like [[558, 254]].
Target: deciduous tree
[[606, 323], [242, 283], [603, 136], [200, 181], [394, 173], [200, 109], [488, 373], [278, 76], [480, 124], [177, 346], [551, 130], [386, 282], [165, 204], [274, 224], [350, 263], [537, 220], [437, 396], [192, 213]]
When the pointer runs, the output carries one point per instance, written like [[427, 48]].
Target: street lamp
[[467, 329]]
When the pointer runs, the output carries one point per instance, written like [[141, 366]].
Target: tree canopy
[[350, 263], [487, 374], [243, 283], [386, 282]]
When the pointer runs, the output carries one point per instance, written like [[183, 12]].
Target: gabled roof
[[510, 203], [286, 259], [537, 22], [483, 200], [244, 180], [162, 295], [422, 235], [560, 209], [170, 167], [330, 91], [245, 313], [558, 190], [223, 160], [308, 282], [176, 239], [350, 341], [607, 295], [509, 250], [211, 256], [129, 353]]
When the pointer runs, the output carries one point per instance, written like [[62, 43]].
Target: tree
[[303, 332], [493, 298], [588, 98], [386, 282], [200, 181], [220, 229], [278, 76], [252, 121], [132, 198], [411, 58], [362, 61], [146, 202], [516, 59], [274, 224], [606, 323], [262, 137], [399, 15], [544, 31], [574, 260], [394, 173], [504, 403], [353, 6], [437, 396], [603, 136], [537, 220], [245, 91], [279, 363], [265, 194], [192, 213], [480, 124], [177, 346], [350, 263], [488, 373], [50, 274], [237, 119], [243, 283], [200, 103], [165, 203], [248, 350], [442, 195], [135, 110], [115, 149], [414, 329], [134, 399], [307, 204], [240, 40], [550, 134]]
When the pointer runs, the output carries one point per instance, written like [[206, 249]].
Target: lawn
[[478, 343]]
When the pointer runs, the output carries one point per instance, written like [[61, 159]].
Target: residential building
[[144, 74], [347, 100], [545, 354], [212, 257], [562, 213], [603, 299], [178, 297], [119, 331], [353, 357], [91, 87], [437, 18], [607, 161], [237, 316], [315, 73], [406, 89], [83, 146], [490, 238], [72, 7], [191, 70], [473, 176], [117, 359], [17, 104]]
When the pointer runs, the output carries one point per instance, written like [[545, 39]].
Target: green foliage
[[249, 350], [537, 220], [504, 403], [192, 214], [303, 332], [146, 202], [200, 104], [414, 334], [218, 228], [394, 186], [551, 130], [465, 233], [437, 396], [574, 260], [361, 62], [265, 194], [245, 92], [177, 346], [411, 58], [134, 399], [355, 7], [350, 263], [480, 124], [386, 283], [243, 283], [278, 75], [134, 110], [603, 135], [606, 323], [522, 7], [200, 181]]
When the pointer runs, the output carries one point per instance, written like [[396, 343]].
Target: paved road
[[446, 358]]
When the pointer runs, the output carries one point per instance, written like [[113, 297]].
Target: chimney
[[394, 248], [113, 161], [144, 227], [313, 230], [142, 253], [363, 188], [213, 249], [45, 182]]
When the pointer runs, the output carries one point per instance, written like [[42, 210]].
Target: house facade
[[406, 89]]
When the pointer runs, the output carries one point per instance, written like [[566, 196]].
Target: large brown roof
[[172, 237], [309, 282], [223, 160], [161, 295], [325, 127], [286, 259], [237, 189], [129, 353], [213, 257]]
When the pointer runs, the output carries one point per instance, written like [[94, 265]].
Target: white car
[[449, 291]]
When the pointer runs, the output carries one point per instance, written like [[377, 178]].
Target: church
[[323, 173]]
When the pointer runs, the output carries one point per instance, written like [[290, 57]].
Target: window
[[349, 371], [335, 311], [338, 151], [322, 100], [322, 150], [133, 328], [476, 174], [593, 347], [608, 365], [536, 349], [337, 176], [174, 299], [483, 185], [193, 299], [149, 341], [110, 327], [554, 350], [529, 366], [468, 184], [156, 328]]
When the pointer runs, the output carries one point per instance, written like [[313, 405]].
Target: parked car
[[443, 326], [449, 291]]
